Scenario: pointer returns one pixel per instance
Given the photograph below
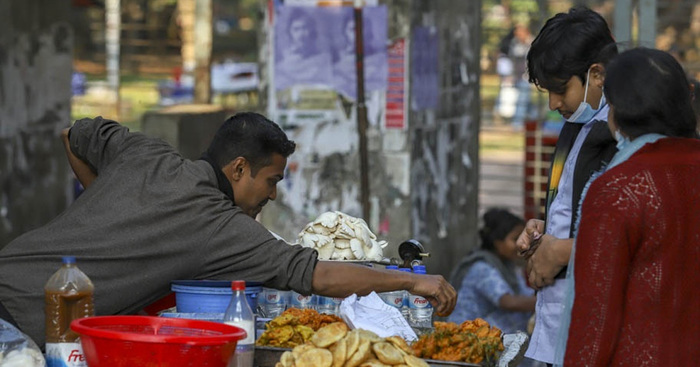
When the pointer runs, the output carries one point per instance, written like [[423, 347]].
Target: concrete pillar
[[189, 128], [36, 46]]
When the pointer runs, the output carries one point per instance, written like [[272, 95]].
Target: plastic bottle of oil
[[68, 296]]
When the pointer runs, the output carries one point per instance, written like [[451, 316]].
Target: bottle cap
[[420, 269], [69, 259], [405, 269], [392, 267], [238, 285]]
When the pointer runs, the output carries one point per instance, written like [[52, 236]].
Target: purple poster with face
[[341, 25], [302, 47]]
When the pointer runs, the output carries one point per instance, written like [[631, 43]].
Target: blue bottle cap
[[405, 269], [420, 269], [69, 259], [392, 267]]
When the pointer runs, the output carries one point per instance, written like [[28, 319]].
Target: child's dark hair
[[497, 224], [567, 45], [649, 93]]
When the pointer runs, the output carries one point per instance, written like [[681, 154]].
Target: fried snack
[[472, 341], [413, 361], [353, 341], [339, 351], [355, 348], [315, 357], [373, 363], [294, 327], [301, 349], [364, 351], [400, 343], [287, 359], [330, 334], [387, 353]]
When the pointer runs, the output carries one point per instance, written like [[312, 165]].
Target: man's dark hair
[[251, 136], [649, 93], [567, 45], [497, 224]]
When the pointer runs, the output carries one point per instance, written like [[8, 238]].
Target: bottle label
[[274, 297], [301, 301], [65, 355], [249, 327], [330, 301], [394, 299], [418, 302]]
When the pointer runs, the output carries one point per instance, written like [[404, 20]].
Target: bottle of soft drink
[[274, 302], [393, 298], [68, 295], [420, 311], [404, 307], [328, 305], [239, 314], [298, 300]]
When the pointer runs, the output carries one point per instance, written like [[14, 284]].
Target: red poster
[[396, 88]]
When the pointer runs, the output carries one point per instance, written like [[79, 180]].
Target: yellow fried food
[[362, 354], [339, 351], [472, 341], [294, 327], [412, 361], [387, 353], [329, 334], [315, 357], [400, 343]]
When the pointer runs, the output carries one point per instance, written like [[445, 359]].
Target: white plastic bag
[[17, 349]]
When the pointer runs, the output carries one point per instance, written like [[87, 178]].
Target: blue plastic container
[[210, 296]]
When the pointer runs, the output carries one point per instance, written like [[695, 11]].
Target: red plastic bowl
[[130, 341]]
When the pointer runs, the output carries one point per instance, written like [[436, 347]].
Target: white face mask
[[622, 141], [585, 112]]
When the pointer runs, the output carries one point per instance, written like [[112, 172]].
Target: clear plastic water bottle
[[273, 302], [394, 298], [420, 311], [328, 305], [298, 300], [239, 314], [68, 295], [404, 308]]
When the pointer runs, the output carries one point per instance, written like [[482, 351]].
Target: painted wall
[[36, 43], [423, 176]]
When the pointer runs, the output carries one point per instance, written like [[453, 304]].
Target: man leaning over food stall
[[148, 216]]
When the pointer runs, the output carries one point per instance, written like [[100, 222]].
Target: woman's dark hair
[[649, 93], [497, 224], [567, 45], [251, 136]]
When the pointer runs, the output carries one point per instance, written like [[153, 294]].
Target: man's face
[[567, 102], [300, 32], [252, 193]]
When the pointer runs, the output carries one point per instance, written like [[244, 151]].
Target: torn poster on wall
[[314, 71]]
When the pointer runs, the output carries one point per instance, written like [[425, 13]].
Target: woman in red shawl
[[637, 252]]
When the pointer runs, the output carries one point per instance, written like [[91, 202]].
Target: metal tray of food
[[268, 356]]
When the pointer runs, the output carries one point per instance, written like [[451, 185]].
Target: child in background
[[489, 281]]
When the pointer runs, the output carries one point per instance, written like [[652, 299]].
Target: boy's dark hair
[[650, 93], [567, 45], [251, 136], [497, 224]]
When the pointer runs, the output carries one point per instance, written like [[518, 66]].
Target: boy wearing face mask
[[567, 59]]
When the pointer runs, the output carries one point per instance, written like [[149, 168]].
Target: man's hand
[[437, 291], [533, 228], [547, 260]]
